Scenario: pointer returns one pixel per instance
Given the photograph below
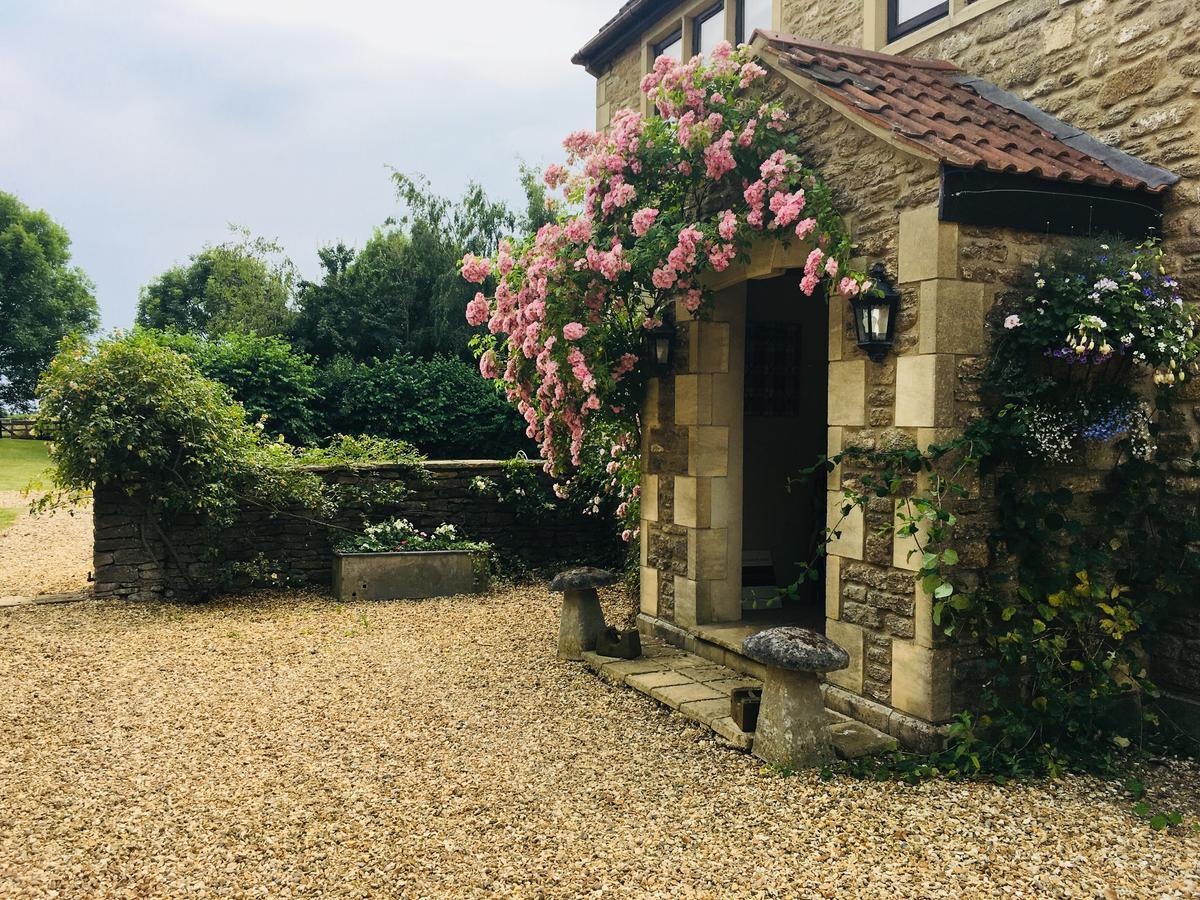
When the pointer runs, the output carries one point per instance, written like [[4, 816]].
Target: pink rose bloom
[[805, 227], [475, 269], [478, 310], [848, 287], [487, 365], [718, 158], [573, 331], [808, 284], [627, 535], [579, 230], [555, 175], [728, 225], [831, 267], [787, 207], [643, 219], [746, 138]]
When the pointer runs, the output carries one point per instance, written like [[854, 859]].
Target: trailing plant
[[1048, 591], [653, 205], [401, 536]]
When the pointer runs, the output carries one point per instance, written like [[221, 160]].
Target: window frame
[[740, 35], [657, 48], [897, 29], [706, 15]]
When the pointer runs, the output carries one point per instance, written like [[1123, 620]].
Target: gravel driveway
[[287, 746], [47, 553]]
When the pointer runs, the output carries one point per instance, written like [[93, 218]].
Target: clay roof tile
[[958, 119]]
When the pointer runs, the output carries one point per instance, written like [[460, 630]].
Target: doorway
[[784, 430]]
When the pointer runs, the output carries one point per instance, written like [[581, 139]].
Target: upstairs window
[[671, 45], [754, 14], [905, 16], [709, 29]]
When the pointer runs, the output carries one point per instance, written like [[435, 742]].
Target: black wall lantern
[[660, 346], [875, 313]]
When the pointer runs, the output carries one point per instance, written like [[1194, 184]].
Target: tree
[[440, 404], [42, 297], [276, 384], [242, 285], [403, 292]]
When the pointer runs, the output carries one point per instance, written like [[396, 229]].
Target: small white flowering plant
[[401, 536], [1107, 302]]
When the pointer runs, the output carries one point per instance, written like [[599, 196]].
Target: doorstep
[[700, 690]]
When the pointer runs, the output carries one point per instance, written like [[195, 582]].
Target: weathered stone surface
[[797, 649], [580, 623], [792, 723], [582, 578]]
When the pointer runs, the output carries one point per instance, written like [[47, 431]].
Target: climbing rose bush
[[652, 206]]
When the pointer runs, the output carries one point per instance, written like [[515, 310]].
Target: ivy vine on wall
[[1088, 536]]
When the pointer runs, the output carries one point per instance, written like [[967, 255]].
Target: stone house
[[960, 137]]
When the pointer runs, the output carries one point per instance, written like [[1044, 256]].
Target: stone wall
[[139, 559]]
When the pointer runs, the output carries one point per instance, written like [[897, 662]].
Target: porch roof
[[943, 113]]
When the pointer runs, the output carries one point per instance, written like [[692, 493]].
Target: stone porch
[[700, 689]]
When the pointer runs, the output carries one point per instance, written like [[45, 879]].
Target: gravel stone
[[799, 649], [45, 554], [285, 745]]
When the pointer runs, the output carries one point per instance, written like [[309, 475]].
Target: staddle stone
[[792, 723], [798, 649], [582, 578], [582, 619]]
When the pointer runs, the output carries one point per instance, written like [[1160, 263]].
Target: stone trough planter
[[405, 576]]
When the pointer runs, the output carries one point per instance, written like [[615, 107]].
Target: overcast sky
[[146, 126]]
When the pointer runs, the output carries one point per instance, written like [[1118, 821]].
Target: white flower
[[1013, 321], [1041, 282], [1107, 284]]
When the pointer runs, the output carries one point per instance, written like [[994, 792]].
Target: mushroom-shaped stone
[[582, 619], [582, 578], [792, 721]]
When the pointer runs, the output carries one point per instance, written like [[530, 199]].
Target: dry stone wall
[[137, 558]]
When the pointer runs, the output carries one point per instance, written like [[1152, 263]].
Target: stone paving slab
[[9, 601], [701, 691], [651, 681], [676, 695]]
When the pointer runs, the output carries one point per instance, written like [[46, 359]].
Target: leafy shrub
[[441, 405], [401, 536], [275, 383], [132, 413]]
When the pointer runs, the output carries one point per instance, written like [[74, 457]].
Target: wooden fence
[[16, 428]]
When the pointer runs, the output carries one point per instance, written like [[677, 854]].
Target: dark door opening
[[784, 431]]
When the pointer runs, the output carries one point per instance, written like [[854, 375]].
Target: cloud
[[145, 127]]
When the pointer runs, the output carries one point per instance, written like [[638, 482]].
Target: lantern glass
[[875, 319]]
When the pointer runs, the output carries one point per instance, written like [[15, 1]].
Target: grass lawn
[[21, 462]]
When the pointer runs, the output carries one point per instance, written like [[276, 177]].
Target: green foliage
[[402, 291], [132, 413], [440, 404], [1057, 604], [243, 285], [42, 298], [401, 536], [276, 384]]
